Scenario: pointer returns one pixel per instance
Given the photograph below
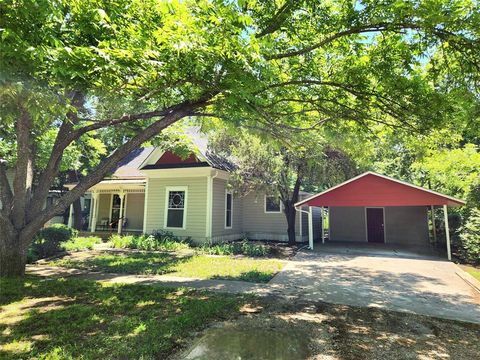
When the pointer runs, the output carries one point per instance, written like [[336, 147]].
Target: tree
[[139, 66], [282, 167]]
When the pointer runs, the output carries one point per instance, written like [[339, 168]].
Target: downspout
[[208, 232]]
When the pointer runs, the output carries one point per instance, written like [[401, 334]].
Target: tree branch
[[107, 165], [278, 18], [355, 30], [62, 141]]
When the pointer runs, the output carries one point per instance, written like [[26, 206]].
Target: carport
[[375, 208]]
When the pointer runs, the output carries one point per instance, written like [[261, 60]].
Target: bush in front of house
[[81, 243], [48, 241], [244, 247], [157, 241], [470, 237]]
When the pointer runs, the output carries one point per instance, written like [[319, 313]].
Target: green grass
[[81, 243], [80, 319], [198, 266], [473, 271]]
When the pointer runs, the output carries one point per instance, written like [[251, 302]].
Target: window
[[272, 204], [176, 208], [228, 210]]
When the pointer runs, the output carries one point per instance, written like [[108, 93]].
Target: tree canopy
[[73, 68]]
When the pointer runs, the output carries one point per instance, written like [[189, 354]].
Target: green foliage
[[158, 241], [470, 237], [49, 240], [81, 243], [82, 319], [244, 247], [265, 162]]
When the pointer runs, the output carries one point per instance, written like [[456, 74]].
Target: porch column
[[433, 226], [322, 211], [310, 227], [447, 232], [93, 220], [70, 216], [121, 194]]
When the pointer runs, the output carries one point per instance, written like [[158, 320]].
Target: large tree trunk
[[13, 255], [77, 215], [289, 199], [290, 214]]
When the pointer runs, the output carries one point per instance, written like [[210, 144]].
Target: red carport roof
[[371, 189]]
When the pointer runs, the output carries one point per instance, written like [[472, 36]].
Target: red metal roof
[[371, 189]]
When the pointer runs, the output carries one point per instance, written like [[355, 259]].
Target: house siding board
[[196, 206], [406, 225], [347, 224], [134, 211], [218, 211], [104, 207], [259, 225]]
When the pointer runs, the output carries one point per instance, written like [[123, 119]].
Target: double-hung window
[[272, 204], [175, 215], [228, 209]]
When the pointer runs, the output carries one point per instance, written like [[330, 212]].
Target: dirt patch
[[346, 332]]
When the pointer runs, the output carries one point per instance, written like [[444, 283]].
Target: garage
[[377, 209]]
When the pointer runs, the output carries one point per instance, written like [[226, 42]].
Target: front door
[[375, 225], [115, 214]]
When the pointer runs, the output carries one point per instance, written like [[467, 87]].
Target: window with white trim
[[228, 209], [176, 209], [272, 204]]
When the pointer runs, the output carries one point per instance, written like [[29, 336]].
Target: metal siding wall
[[347, 224], [407, 225]]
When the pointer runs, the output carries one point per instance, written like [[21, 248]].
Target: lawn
[[67, 319], [195, 266], [475, 272]]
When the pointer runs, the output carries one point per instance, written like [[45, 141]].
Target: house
[[374, 208], [152, 189]]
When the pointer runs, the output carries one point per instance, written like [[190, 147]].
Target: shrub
[[81, 243], [470, 237], [244, 247], [47, 241], [159, 241]]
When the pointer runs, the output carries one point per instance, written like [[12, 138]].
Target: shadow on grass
[[254, 276], [72, 318], [131, 263]]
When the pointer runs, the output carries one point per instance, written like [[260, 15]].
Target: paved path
[[423, 286], [427, 286]]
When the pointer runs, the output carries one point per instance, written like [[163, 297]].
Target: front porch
[[116, 207]]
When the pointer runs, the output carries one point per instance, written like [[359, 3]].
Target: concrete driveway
[[428, 286]]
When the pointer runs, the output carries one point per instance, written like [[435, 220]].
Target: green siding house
[[153, 190]]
